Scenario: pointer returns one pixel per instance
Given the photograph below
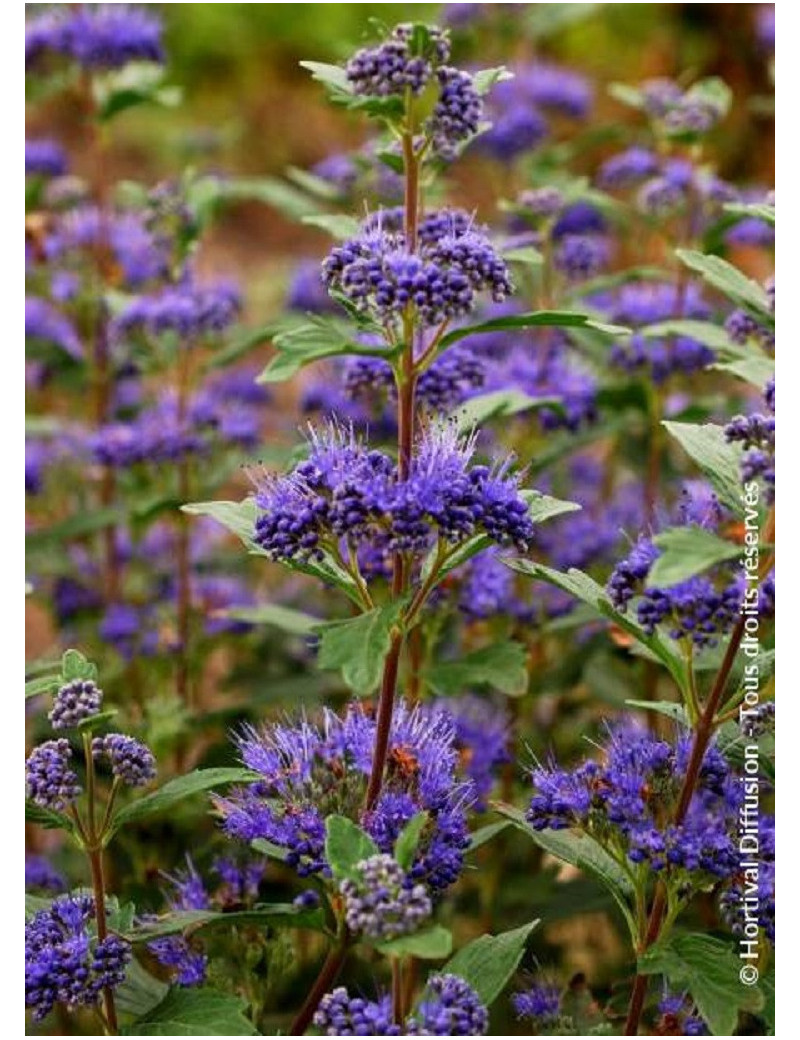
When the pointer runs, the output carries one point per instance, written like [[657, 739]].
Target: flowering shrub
[[327, 721]]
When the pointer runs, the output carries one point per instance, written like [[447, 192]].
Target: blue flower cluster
[[63, 964], [621, 801], [750, 896], [756, 434], [456, 117], [346, 491], [540, 1002], [647, 303], [695, 609], [188, 309], [306, 772], [451, 1008], [380, 903], [50, 779], [519, 108], [398, 64], [483, 733], [40, 874], [96, 36], [238, 885], [679, 1016], [131, 762], [44, 157], [455, 262], [74, 702]]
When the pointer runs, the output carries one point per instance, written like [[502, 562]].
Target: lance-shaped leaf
[[488, 962], [294, 622], [730, 281], [719, 460], [582, 851], [499, 404], [175, 791], [278, 915], [533, 320]]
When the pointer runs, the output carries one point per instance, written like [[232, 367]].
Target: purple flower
[[50, 780], [457, 114], [130, 761], [514, 130], [75, 701], [380, 903], [627, 168], [187, 309], [541, 1002], [45, 157], [46, 324], [305, 771], [99, 36], [482, 734], [63, 964], [451, 1007], [455, 262], [139, 254], [581, 256], [307, 292], [339, 1014], [394, 66], [41, 874]]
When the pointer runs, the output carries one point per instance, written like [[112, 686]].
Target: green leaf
[[485, 79], [44, 684], [295, 622], [536, 319], [50, 819], [730, 281], [582, 851], [686, 551], [358, 646], [311, 340], [498, 404], [405, 848], [140, 992], [275, 915], [240, 519], [485, 834], [75, 666], [626, 95], [332, 76], [669, 709], [757, 210], [175, 791], [588, 591], [338, 225], [237, 517], [34, 904], [98, 721], [488, 962], [543, 507], [709, 969], [431, 944], [713, 336], [73, 527], [137, 84], [241, 344], [526, 256], [195, 1012], [545, 19], [718, 459], [270, 191], [346, 845], [501, 666]]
